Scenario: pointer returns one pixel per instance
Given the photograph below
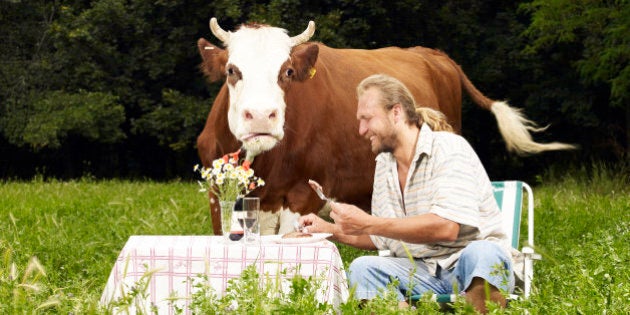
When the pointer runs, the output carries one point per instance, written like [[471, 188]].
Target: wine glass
[[249, 218], [236, 234]]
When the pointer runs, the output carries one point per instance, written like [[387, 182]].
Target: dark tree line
[[111, 88]]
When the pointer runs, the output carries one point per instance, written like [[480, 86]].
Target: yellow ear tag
[[312, 73]]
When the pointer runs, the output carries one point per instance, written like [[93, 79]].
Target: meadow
[[59, 239]]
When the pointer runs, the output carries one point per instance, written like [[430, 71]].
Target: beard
[[385, 144]]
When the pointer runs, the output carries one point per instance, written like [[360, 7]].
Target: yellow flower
[[228, 180]]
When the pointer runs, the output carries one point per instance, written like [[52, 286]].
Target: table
[[171, 262]]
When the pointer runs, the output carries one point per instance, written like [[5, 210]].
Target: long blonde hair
[[434, 118], [395, 92]]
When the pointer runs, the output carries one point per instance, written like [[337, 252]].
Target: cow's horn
[[220, 33], [305, 36]]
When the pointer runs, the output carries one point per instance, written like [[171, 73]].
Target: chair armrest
[[529, 252]]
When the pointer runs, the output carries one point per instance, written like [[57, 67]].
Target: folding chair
[[509, 196]]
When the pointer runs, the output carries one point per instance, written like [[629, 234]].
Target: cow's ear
[[213, 60], [303, 58]]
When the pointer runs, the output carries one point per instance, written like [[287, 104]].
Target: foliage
[[23, 287], [72, 227], [140, 56], [253, 293], [598, 29], [96, 116], [77, 228], [578, 58], [565, 63], [175, 122], [581, 230]]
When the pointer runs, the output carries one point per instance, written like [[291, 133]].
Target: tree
[[587, 45], [598, 28], [119, 78], [39, 108]]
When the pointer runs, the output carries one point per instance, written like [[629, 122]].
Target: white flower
[[226, 179], [216, 171], [205, 173], [228, 168], [217, 163]]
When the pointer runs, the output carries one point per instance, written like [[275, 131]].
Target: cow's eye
[[233, 74]]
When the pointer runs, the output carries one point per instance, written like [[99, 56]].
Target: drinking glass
[[249, 218]]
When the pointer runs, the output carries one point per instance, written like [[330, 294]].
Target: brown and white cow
[[291, 104]]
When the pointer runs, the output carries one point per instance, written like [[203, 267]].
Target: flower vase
[[227, 211]]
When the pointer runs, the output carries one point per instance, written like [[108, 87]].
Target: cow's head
[[259, 66]]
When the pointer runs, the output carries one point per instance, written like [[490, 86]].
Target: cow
[[290, 104]]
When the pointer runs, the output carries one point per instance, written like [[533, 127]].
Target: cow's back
[[430, 75]]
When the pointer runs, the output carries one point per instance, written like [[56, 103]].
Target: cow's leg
[[287, 218], [269, 222], [215, 214], [279, 222]]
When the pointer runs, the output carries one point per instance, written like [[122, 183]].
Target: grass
[[58, 241]]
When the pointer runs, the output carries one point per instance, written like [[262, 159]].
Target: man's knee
[[367, 267], [485, 253], [486, 260], [361, 264]]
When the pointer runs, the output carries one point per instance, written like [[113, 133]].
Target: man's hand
[[314, 224], [350, 219]]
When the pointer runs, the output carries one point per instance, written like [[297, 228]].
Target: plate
[[300, 240]]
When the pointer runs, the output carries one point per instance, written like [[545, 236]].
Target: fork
[[318, 189]]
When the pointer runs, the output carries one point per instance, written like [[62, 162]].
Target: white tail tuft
[[515, 128]]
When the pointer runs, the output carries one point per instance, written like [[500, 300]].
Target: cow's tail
[[514, 126]]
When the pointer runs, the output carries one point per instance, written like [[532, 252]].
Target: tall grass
[[58, 241], [583, 232], [76, 229]]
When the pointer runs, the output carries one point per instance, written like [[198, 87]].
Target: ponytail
[[435, 119]]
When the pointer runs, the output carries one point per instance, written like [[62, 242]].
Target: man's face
[[375, 123]]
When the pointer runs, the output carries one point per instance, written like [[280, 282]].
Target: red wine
[[249, 222], [236, 235]]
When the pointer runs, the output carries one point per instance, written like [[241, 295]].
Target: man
[[431, 197]]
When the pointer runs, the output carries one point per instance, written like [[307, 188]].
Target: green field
[[58, 241]]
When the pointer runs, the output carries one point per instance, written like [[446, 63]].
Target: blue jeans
[[483, 259]]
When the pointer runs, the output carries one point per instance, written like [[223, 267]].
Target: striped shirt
[[445, 178]]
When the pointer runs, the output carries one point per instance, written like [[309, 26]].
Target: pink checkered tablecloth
[[173, 260]]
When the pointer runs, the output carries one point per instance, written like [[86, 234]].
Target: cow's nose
[[258, 114], [248, 115]]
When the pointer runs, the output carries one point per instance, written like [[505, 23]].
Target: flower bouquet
[[228, 180]]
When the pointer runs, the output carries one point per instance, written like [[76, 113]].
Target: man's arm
[[359, 241], [424, 228]]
